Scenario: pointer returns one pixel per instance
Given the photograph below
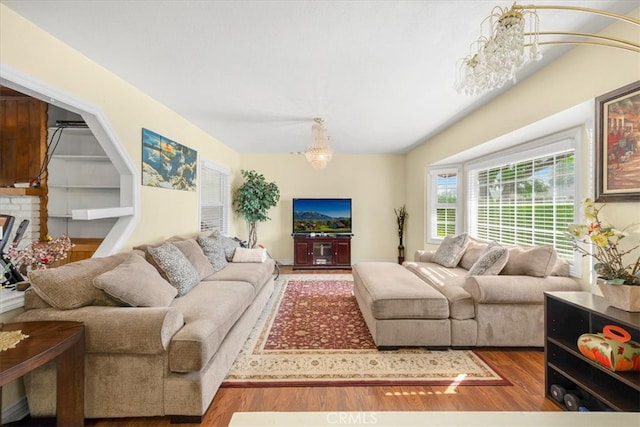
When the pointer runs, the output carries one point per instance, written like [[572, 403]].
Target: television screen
[[330, 216]]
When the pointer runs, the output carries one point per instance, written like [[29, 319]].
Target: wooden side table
[[47, 341]]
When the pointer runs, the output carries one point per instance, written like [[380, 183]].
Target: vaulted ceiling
[[255, 73]]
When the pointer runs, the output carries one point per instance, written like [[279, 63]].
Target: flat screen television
[[330, 216]]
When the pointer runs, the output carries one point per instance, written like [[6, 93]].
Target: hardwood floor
[[524, 368]]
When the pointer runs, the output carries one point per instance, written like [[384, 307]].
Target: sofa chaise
[[466, 293], [163, 324]]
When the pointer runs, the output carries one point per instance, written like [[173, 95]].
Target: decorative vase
[[400, 254], [624, 297]]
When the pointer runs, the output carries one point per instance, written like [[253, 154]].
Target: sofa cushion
[[254, 273], [210, 310], [451, 250], [536, 261], [250, 255], [214, 250], [461, 303], [434, 274], [174, 266], [192, 250], [474, 250], [137, 283], [393, 292], [71, 285], [491, 262]]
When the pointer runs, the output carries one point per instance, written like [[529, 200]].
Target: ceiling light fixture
[[318, 153], [497, 57]]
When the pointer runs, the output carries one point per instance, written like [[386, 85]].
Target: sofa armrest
[[134, 330], [515, 289], [423, 256]]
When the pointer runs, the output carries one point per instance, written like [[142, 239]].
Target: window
[[444, 217], [526, 197], [214, 197]]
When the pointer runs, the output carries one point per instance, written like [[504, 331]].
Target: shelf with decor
[[83, 185], [568, 315]]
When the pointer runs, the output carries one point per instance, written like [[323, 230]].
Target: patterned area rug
[[312, 333]]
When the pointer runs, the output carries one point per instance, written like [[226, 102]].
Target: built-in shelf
[[91, 214], [88, 187], [10, 300], [80, 157]]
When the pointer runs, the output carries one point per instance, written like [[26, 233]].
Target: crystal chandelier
[[496, 58], [318, 153]]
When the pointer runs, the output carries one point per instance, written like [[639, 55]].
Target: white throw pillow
[[250, 255]]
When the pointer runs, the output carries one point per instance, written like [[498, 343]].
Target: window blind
[[214, 198]]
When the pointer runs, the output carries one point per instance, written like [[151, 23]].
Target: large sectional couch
[[163, 324], [466, 293]]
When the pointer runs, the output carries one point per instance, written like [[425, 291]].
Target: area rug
[[312, 333]]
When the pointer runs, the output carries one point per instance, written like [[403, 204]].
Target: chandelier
[[513, 40], [318, 153]]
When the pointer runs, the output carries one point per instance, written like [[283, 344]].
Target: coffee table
[[63, 341]]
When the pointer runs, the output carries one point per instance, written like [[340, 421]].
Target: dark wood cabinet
[[569, 315], [321, 252]]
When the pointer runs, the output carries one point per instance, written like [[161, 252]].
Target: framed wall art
[[167, 164], [618, 145]]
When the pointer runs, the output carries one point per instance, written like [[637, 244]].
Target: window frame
[[225, 201], [433, 204]]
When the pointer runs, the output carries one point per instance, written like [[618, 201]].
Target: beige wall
[[579, 76], [26, 48], [375, 183]]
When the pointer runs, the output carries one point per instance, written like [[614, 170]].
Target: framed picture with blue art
[[167, 164]]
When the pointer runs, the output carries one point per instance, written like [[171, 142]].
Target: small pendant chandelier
[[318, 153]]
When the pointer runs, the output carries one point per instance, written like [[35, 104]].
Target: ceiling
[[254, 74]]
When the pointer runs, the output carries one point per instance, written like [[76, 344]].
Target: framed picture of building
[[618, 144], [167, 164]]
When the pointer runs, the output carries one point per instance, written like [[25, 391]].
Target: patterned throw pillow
[[175, 267], [228, 244], [491, 262], [214, 251], [451, 250]]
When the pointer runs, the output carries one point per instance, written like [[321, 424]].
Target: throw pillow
[[71, 285], [137, 283], [451, 250], [175, 267], [214, 251], [536, 261], [250, 255], [473, 252], [491, 262], [192, 250], [228, 244]]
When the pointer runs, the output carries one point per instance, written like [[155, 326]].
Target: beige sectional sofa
[[466, 293], [164, 324]]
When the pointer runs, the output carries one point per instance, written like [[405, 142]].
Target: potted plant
[[619, 282], [253, 199], [401, 218]]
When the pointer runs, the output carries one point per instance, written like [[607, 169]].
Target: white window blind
[[526, 197], [214, 197]]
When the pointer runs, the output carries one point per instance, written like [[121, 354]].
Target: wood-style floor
[[524, 368]]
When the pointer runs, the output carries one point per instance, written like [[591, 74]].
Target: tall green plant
[[253, 199]]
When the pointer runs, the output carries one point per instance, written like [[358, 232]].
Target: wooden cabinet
[[321, 252], [569, 315]]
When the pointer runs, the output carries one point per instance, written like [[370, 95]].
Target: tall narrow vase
[[624, 297]]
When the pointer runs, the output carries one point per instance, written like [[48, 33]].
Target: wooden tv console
[[321, 251]]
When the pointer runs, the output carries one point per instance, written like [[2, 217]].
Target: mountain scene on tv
[[322, 216]]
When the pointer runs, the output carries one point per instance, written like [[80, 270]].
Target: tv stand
[[321, 251]]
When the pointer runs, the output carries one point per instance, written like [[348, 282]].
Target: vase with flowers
[[618, 279], [401, 219]]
